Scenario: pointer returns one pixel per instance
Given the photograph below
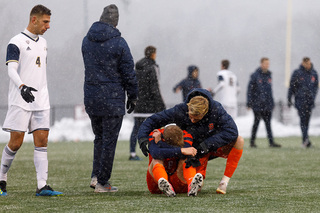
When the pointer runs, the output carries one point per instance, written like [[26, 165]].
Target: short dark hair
[[264, 59], [40, 10], [305, 59], [225, 64], [149, 51]]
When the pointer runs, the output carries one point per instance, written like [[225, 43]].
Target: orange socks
[[232, 161], [188, 173], [158, 172]]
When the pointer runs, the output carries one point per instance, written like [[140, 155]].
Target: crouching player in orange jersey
[[214, 132], [167, 172]]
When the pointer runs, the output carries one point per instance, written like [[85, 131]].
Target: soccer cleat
[[222, 188], [195, 185], [274, 145], [3, 188], [135, 158], [105, 188], [166, 187], [47, 191], [94, 181]]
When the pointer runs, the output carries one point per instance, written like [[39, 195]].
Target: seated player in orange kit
[[167, 170]]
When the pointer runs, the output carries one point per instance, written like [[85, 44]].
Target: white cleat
[[195, 185], [222, 188], [166, 187]]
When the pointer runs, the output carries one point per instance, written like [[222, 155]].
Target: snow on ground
[[68, 129]]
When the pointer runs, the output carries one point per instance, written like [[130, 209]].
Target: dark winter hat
[[110, 15]]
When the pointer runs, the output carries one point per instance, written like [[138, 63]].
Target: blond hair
[[173, 135], [198, 105]]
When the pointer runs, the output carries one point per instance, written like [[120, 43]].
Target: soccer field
[[267, 180]]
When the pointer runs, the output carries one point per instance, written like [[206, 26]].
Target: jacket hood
[[302, 67], [144, 62], [100, 32], [199, 92], [259, 70], [191, 68]]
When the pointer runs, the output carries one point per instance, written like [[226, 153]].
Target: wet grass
[[267, 180]]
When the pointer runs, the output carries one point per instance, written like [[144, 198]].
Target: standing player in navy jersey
[[28, 101]]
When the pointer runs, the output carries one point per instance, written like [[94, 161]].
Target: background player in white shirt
[[28, 99], [227, 90]]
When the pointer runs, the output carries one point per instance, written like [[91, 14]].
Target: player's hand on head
[[156, 135], [26, 93], [189, 151]]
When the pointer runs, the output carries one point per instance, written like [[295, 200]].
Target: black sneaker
[[253, 145], [306, 144], [135, 158], [274, 145], [3, 188]]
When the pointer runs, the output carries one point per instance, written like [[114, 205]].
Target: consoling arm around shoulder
[[162, 150]]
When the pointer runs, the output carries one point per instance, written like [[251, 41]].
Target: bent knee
[[239, 143]]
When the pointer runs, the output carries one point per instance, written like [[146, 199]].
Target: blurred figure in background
[[109, 77], [260, 100], [227, 90], [149, 99], [304, 87], [189, 83]]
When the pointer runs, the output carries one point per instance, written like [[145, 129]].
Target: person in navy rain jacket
[[109, 76], [304, 87], [189, 83], [260, 100], [214, 132]]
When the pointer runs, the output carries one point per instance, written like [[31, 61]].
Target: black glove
[[202, 149], [144, 143], [192, 161], [289, 103], [131, 104], [27, 94]]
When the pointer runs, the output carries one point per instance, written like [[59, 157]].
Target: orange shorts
[[222, 152], [177, 184]]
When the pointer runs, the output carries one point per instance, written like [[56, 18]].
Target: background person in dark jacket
[[109, 74], [150, 100], [214, 132], [260, 99], [304, 87], [189, 83]]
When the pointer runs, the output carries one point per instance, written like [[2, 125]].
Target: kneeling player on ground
[[166, 171], [213, 130]]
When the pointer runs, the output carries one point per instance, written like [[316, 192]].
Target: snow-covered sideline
[[69, 129]]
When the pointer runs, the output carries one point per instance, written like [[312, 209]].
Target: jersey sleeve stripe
[[7, 62]]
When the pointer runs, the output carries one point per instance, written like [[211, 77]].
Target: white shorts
[[20, 120]]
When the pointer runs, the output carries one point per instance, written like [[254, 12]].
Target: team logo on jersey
[[28, 48], [313, 79], [211, 126]]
